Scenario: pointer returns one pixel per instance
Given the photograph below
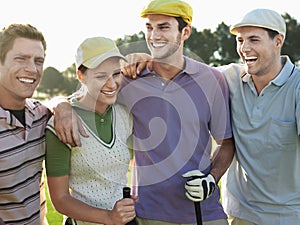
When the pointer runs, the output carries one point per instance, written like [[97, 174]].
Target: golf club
[[198, 213], [197, 208], [126, 194]]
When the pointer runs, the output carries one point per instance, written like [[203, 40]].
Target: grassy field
[[53, 217]]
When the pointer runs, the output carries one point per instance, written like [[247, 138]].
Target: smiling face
[[21, 72], [259, 52], [102, 83], [163, 37]]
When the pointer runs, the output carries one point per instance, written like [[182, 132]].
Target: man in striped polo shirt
[[22, 126]]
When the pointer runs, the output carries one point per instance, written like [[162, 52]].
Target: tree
[[226, 52], [134, 43], [291, 45], [202, 44], [214, 48], [52, 82], [71, 82]]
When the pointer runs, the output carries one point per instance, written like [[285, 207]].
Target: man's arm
[[201, 186], [222, 158], [136, 62], [67, 123]]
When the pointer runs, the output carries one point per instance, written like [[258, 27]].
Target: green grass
[[53, 217]]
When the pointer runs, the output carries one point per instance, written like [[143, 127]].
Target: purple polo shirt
[[173, 123]]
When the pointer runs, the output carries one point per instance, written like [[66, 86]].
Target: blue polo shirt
[[263, 184], [173, 124]]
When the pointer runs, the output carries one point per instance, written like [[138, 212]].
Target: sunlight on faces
[[163, 36], [260, 52], [102, 83], [257, 50], [22, 69]]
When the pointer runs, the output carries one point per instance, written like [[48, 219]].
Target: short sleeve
[[58, 156]]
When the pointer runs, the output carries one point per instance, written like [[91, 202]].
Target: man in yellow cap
[[176, 109], [262, 185]]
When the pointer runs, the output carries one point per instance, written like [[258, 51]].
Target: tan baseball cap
[[175, 8], [93, 51], [264, 18]]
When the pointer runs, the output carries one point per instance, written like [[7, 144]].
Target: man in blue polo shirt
[[262, 185]]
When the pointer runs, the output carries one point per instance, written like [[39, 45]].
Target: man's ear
[[279, 38], [186, 32]]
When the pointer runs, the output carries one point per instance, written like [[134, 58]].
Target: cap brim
[[97, 60], [234, 31]]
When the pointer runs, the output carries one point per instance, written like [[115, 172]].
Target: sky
[[65, 24]]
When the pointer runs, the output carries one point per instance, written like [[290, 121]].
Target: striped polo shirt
[[22, 151]]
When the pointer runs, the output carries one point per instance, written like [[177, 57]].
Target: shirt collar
[[282, 77], [189, 68], [30, 106], [76, 103], [285, 73]]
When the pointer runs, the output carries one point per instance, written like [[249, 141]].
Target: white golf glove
[[199, 186]]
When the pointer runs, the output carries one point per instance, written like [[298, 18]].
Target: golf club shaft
[[198, 213]]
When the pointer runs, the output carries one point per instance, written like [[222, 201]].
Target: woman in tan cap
[[85, 183]]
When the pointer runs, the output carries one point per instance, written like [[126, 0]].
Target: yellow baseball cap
[[264, 18], [93, 51], [175, 8]]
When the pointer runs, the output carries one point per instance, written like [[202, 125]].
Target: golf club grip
[[126, 194], [198, 213], [197, 206]]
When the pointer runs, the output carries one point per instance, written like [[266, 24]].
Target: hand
[[136, 62], [68, 125], [123, 211], [200, 186]]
